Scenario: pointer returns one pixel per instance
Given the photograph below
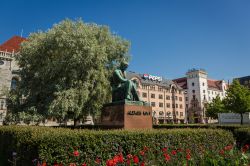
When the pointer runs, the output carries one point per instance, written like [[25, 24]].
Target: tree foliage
[[65, 71], [215, 107], [237, 99]]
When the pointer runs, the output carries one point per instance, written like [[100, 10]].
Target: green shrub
[[52, 144], [242, 135]]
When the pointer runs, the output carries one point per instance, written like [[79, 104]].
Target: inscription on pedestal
[[128, 116]]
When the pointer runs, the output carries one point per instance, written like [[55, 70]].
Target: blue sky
[[167, 37]]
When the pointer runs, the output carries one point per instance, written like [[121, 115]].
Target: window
[[13, 83], [186, 105], [186, 98], [192, 83], [193, 97], [181, 106], [160, 96], [152, 87], [168, 105], [144, 94], [153, 104], [160, 88], [160, 104], [204, 91], [172, 97], [177, 113], [204, 97], [1, 62], [181, 113], [176, 98], [193, 91], [203, 84], [2, 104], [161, 113], [167, 97], [176, 105], [180, 98], [152, 95], [173, 106]]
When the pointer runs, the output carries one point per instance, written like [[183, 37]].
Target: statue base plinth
[[127, 115]]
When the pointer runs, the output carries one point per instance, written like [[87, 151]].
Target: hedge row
[[55, 145], [242, 135]]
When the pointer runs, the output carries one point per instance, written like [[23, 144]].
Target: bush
[[59, 145], [242, 135]]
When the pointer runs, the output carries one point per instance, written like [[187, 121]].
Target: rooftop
[[12, 45]]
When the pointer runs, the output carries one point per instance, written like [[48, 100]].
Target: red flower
[[76, 153], [188, 156], [84, 164], [136, 159], [146, 148], [44, 164], [188, 151], [128, 162], [120, 157], [164, 149], [245, 148], [110, 163], [142, 164], [129, 156], [222, 152], [72, 164], [228, 148], [142, 153], [97, 160], [174, 152], [167, 156]]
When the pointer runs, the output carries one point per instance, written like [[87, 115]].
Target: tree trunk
[[76, 122], [241, 118]]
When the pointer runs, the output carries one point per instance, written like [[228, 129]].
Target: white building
[[199, 90]]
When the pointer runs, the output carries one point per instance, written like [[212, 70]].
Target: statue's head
[[124, 65]]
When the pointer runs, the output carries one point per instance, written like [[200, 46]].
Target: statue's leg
[[134, 92], [128, 86]]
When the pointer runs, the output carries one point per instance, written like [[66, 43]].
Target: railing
[[7, 55]]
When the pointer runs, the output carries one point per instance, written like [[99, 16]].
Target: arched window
[[13, 83]]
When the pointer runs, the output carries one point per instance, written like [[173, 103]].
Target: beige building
[[8, 70], [165, 97]]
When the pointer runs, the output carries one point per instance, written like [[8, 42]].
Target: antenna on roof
[[21, 33]]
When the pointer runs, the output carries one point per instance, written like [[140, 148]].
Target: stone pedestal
[[127, 115]]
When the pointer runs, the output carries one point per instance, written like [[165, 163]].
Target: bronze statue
[[122, 88]]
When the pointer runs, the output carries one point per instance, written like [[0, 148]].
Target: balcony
[[7, 55]]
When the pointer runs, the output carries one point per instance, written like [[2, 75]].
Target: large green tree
[[237, 99], [65, 71], [215, 107]]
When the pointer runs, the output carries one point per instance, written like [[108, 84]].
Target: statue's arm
[[117, 72]]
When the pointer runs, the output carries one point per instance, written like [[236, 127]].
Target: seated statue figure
[[122, 88]]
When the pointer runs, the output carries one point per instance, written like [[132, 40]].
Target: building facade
[[8, 70], [199, 90], [245, 81], [165, 97]]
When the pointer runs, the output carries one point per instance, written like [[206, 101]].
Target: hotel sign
[[151, 77]]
